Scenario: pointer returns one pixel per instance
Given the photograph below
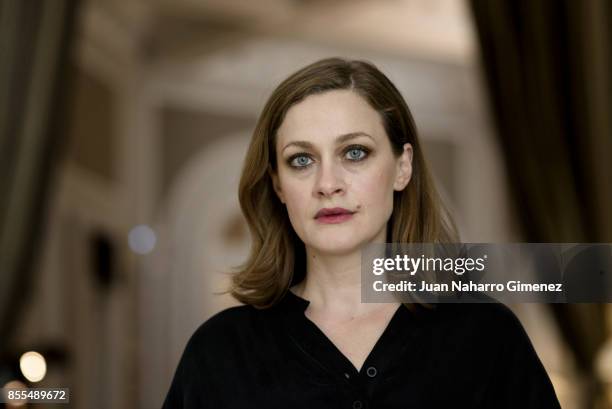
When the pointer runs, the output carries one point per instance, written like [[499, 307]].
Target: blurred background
[[123, 125]]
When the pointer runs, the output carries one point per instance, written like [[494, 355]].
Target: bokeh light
[[33, 366], [142, 239], [14, 384]]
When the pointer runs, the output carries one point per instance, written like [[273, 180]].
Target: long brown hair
[[277, 258]]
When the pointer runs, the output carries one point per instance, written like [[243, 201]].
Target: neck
[[333, 284]]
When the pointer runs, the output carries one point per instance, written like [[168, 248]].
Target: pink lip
[[333, 215]]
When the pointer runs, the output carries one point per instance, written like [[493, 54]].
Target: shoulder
[[487, 335], [488, 310], [496, 344], [243, 327], [227, 326], [210, 344], [229, 319], [489, 322]]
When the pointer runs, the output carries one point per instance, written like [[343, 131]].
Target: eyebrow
[[339, 139]]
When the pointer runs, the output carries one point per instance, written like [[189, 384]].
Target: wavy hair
[[277, 257]]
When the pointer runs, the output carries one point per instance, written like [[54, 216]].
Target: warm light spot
[[33, 366], [603, 363], [14, 385]]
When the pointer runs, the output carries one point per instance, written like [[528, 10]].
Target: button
[[347, 376], [357, 404], [371, 371]]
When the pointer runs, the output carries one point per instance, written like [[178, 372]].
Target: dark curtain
[[35, 38], [548, 74]]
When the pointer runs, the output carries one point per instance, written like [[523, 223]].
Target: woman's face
[[336, 172]]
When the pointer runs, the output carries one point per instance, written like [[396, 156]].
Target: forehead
[[322, 117]]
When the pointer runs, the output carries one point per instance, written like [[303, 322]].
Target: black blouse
[[452, 356]]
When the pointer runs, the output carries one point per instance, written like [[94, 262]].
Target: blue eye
[[300, 161], [353, 153], [356, 153]]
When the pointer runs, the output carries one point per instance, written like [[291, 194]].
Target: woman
[[335, 164]]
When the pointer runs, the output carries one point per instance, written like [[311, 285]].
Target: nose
[[329, 181]]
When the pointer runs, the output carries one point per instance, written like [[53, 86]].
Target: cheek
[[376, 189], [296, 199]]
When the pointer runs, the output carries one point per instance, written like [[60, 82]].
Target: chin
[[336, 244]]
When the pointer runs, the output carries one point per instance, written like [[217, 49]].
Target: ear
[[276, 184], [404, 168]]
